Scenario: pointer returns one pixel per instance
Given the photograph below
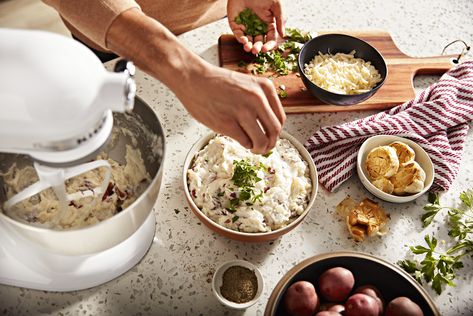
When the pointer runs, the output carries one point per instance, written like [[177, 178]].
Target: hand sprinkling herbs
[[441, 266]]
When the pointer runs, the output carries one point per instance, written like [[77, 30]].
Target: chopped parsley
[[242, 63], [282, 94], [245, 176], [283, 59], [235, 218], [297, 35], [253, 24], [268, 154]]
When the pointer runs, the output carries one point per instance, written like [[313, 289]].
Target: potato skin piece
[[301, 299], [335, 284], [403, 306]]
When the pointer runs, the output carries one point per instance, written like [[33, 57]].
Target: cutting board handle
[[435, 65]]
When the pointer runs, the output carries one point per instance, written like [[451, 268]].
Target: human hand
[[241, 106], [244, 107], [270, 11]]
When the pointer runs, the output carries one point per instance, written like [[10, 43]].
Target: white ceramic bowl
[[217, 281], [422, 158], [243, 236]]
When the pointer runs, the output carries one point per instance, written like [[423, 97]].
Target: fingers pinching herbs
[[269, 121], [273, 99], [235, 131], [253, 129]]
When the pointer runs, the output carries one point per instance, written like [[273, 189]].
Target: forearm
[[92, 18], [153, 48]]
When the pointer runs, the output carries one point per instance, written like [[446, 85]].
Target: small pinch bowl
[[217, 281], [422, 158], [243, 236], [390, 279], [340, 43]]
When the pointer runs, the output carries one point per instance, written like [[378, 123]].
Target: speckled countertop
[[174, 277]]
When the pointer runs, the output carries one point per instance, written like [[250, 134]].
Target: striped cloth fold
[[437, 119]]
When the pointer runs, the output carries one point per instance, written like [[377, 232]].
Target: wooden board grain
[[398, 87]]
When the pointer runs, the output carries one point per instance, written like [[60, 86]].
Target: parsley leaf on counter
[[253, 24], [439, 267]]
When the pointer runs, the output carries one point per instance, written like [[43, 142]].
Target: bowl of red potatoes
[[348, 284]]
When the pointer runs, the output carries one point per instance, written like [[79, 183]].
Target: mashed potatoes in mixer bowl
[[127, 182], [246, 192]]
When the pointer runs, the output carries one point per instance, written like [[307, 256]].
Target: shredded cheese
[[342, 73]]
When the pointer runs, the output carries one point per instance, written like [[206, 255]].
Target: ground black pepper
[[239, 284]]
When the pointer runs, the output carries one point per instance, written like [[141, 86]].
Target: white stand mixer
[[56, 106]]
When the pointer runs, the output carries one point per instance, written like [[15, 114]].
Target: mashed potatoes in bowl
[[245, 196]]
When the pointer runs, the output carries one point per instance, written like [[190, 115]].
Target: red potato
[[337, 308], [336, 284], [333, 307], [328, 313], [403, 306], [361, 305], [301, 299], [372, 291]]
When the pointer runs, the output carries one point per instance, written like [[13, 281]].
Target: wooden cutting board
[[397, 89]]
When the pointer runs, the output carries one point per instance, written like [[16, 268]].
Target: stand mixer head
[[57, 98], [57, 103]]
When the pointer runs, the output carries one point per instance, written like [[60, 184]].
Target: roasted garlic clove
[[410, 179], [404, 152], [366, 219], [384, 185], [382, 162]]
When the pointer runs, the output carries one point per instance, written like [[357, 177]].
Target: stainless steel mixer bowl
[[144, 125]]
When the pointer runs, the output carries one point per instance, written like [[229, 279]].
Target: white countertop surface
[[174, 277]]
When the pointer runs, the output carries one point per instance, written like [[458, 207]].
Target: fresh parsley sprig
[[437, 266]]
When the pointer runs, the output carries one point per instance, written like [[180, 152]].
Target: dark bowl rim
[[272, 305], [378, 85]]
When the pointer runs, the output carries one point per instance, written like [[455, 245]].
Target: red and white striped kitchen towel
[[437, 119]]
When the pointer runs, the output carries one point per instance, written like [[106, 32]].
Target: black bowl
[[340, 43], [391, 280]]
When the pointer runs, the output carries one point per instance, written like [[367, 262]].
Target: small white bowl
[[217, 281], [422, 158]]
